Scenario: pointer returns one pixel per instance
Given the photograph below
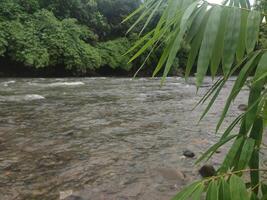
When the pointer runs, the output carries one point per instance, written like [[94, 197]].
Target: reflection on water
[[102, 138]]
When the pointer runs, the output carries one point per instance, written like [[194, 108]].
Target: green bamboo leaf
[[263, 76], [238, 189], [243, 4], [224, 190], [253, 196], [264, 197], [255, 175], [246, 153], [231, 38], [253, 24], [230, 157], [197, 193], [196, 45], [264, 189], [218, 48], [212, 193], [141, 17], [162, 60], [173, 7], [186, 22], [241, 48], [216, 94], [140, 41], [151, 15], [187, 191], [232, 125], [216, 146], [138, 10], [208, 44], [210, 91], [196, 25], [257, 131], [255, 92], [239, 83]]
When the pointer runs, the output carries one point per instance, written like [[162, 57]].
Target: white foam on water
[[19, 98], [31, 97], [57, 84], [66, 84], [8, 82]]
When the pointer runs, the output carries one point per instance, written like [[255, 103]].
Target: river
[[103, 138]]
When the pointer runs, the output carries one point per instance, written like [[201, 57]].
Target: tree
[[221, 37]]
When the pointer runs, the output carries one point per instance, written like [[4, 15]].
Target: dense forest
[[66, 38], [74, 38]]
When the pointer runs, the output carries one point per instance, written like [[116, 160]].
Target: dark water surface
[[102, 138]]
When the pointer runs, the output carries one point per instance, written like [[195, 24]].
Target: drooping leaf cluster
[[221, 38]]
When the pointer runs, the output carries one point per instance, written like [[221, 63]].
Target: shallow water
[[102, 138]]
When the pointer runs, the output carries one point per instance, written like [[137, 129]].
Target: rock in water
[[242, 107], [189, 154], [207, 171]]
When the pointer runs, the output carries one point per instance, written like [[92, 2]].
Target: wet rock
[[242, 107], [207, 171], [218, 151], [189, 154]]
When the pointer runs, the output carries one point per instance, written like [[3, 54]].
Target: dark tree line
[[77, 36]]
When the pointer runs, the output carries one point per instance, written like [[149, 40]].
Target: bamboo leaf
[[219, 44], [241, 48], [229, 159], [224, 190], [255, 92], [255, 175], [186, 22], [187, 191], [253, 24], [208, 44], [263, 188], [239, 83], [231, 38], [196, 25], [195, 46], [246, 153], [151, 16], [197, 193], [238, 189], [212, 193], [213, 148]]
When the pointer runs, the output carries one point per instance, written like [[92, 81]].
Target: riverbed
[[103, 138]]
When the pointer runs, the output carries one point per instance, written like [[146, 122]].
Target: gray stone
[[242, 107], [189, 154], [207, 171]]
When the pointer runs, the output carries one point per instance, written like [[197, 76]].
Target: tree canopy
[[80, 35]]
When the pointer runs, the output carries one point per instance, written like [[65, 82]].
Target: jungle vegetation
[[80, 37], [223, 39]]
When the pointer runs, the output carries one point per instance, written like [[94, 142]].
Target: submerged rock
[[189, 154], [242, 107], [207, 171]]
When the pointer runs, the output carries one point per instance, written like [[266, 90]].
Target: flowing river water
[[103, 138]]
